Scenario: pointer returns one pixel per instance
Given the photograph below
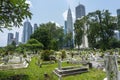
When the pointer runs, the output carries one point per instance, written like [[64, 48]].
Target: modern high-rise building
[[27, 31], [17, 38], [70, 28], [65, 28], [35, 27], [118, 17], [69, 22], [10, 38], [80, 11]]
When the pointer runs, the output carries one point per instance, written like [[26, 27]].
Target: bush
[[45, 55], [24, 55], [63, 54]]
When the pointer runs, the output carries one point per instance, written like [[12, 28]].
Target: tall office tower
[[65, 28], [10, 38], [70, 28], [35, 27], [69, 22], [80, 11], [118, 16], [27, 31], [17, 38]]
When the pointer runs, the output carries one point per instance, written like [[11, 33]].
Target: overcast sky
[[56, 10]]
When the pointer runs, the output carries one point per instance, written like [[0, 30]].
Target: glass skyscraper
[[80, 11], [118, 16], [69, 25], [10, 38], [35, 27], [27, 31], [69, 22], [17, 38]]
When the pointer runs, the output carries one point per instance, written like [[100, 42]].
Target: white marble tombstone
[[111, 67], [59, 64]]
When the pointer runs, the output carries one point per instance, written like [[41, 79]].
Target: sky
[[56, 10]]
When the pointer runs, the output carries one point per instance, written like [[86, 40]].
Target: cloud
[[29, 2], [58, 25], [65, 15]]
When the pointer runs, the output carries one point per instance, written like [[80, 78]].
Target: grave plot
[[14, 62], [70, 70]]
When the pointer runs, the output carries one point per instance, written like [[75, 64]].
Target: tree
[[50, 35], [101, 28], [10, 48], [33, 45], [79, 32], [13, 12]]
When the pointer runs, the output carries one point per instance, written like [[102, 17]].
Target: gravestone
[[111, 67], [59, 64], [20, 59]]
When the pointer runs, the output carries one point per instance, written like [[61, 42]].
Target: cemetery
[[92, 64]]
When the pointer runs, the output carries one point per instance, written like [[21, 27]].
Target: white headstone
[[111, 67]]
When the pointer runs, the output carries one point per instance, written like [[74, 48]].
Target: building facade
[[65, 27], [118, 19], [35, 27], [80, 11], [27, 31], [69, 22], [69, 29], [10, 38], [17, 38]]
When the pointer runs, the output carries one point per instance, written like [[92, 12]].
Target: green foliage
[[45, 55], [63, 55], [50, 35], [20, 48], [13, 12], [9, 49], [79, 31], [33, 45], [69, 40], [24, 55], [101, 28]]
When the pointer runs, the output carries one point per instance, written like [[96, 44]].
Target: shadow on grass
[[17, 77]]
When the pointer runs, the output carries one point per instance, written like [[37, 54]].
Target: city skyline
[[45, 11]]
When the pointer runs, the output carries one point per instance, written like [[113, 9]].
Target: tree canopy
[[33, 45], [101, 29], [79, 31], [13, 12], [50, 35]]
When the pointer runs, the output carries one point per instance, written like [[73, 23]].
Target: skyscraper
[[27, 31], [65, 28], [10, 38], [70, 28], [118, 16], [69, 22], [17, 38], [35, 27], [80, 11]]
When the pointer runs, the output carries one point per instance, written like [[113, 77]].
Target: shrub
[[45, 55], [63, 55]]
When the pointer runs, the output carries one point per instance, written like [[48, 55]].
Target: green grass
[[34, 72]]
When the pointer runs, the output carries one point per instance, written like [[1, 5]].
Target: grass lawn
[[34, 72]]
